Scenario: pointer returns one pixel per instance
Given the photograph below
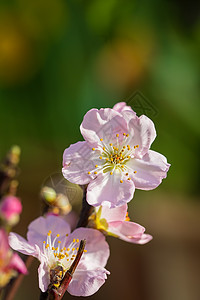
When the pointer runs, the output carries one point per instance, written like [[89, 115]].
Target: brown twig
[[85, 211]]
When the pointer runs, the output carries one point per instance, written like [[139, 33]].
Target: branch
[[85, 211]]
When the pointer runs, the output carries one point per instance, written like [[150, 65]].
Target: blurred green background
[[60, 58]]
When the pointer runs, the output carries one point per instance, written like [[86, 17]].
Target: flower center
[[57, 253], [114, 156]]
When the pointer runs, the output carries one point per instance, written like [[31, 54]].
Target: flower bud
[[10, 208]]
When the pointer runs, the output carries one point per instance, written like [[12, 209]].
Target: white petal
[[38, 229], [107, 190], [151, 169], [78, 160]]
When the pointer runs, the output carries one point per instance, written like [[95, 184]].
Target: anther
[[127, 135], [74, 240], [96, 166], [59, 242], [110, 144], [124, 133], [67, 234], [85, 251], [117, 135], [135, 172], [121, 181], [100, 157], [89, 173], [93, 148], [77, 240], [111, 173], [44, 242], [95, 172], [58, 235], [101, 140], [129, 178]]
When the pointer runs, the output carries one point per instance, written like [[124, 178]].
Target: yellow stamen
[[117, 135], [124, 133], [77, 240], [96, 166], [127, 135], [85, 250], [74, 240], [100, 157], [93, 148], [89, 173], [95, 172], [129, 178], [58, 235], [44, 242], [59, 242], [101, 140], [121, 181], [111, 173], [47, 246], [110, 144], [135, 172]]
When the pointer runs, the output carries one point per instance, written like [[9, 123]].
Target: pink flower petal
[[125, 110], [78, 160], [43, 274], [151, 169], [114, 214], [107, 190], [129, 232], [18, 243], [122, 106], [103, 123], [38, 229], [142, 133], [86, 283], [18, 264], [97, 248]]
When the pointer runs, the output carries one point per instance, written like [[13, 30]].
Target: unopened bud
[[48, 194]]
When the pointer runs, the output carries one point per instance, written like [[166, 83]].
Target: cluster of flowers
[[10, 208], [113, 160]]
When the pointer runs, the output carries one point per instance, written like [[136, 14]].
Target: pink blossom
[[115, 158], [10, 208], [10, 263], [50, 241], [115, 222]]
